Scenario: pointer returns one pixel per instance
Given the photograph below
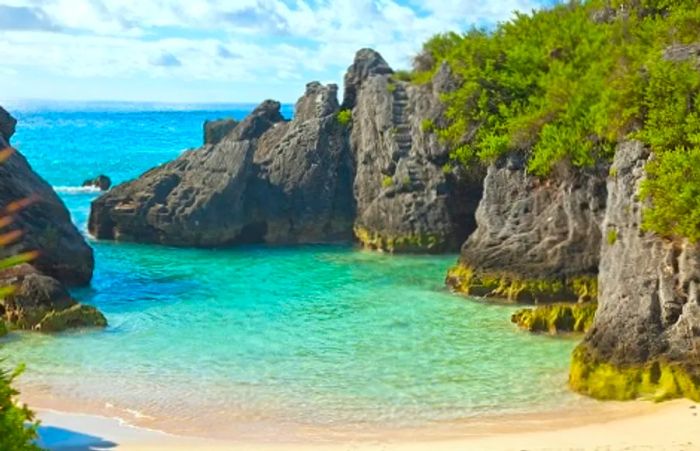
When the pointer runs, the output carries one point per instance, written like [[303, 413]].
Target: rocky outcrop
[[101, 182], [216, 131], [373, 166], [34, 296], [536, 240], [645, 340], [407, 197], [268, 180], [44, 220], [41, 303]]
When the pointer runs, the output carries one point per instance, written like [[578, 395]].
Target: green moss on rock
[[556, 318], [466, 280], [76, 316], [658, 379], [405, 243]]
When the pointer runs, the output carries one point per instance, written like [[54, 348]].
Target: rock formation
[[102, 182], [39, 300], [268, 180], [645, 340], [406, 200], [371, 166], [216, 131], [536, 240]]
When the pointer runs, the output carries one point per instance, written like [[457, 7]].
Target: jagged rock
[[645, 340], [101, 181], [45, 222], [216, 131], [268, 180], [406, 200], [536, 240]]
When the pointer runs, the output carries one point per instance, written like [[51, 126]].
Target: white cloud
[[266, 41]]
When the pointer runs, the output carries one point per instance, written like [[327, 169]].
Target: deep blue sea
[[257, 338]]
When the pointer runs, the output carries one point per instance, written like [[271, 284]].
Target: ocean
[[259, 340]]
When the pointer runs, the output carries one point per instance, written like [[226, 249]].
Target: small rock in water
[[101, 181]]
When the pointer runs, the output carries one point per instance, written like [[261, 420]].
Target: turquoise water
[[313, 336]]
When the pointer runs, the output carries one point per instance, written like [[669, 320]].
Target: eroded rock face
[[406, 200], [536, 240], [216, 131], [645, 340], [267, 180], [45, 222]]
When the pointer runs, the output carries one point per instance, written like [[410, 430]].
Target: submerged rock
[[406, 200], [556, 318], [267, 180], [44, 220], [645, 340], [216, 131], [536, 240], [101, 181]]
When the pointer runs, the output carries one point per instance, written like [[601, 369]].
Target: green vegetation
[[612, 237], [658, 380], [571, 82], [387, 181], [427, 126], [403, 75], [391, 87], [556, 318], [344, 117]]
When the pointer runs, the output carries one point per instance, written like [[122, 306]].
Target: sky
[[206, 51]]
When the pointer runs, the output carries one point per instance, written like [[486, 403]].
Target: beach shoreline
[[614, 425]]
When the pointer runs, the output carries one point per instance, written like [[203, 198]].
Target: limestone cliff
[[537, 240], [645, 340], [406, 200]]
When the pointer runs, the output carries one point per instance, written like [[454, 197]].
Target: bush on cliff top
[[570, 82]]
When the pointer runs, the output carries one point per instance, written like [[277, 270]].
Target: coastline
[[611, 426]]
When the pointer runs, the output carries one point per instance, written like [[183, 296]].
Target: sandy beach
[[629, 426]]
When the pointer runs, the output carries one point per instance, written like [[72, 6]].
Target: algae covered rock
[[537, 240], [645, 340], [556, 318], [39, 302]]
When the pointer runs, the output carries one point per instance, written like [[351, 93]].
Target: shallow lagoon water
[[313, 335]]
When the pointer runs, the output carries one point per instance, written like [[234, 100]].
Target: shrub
[[387, 181], [391, 87], [403, 75], [427, 126], [612, 237], [344, 117]]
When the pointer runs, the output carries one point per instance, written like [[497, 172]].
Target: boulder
[[537, 240], [645, 340], [408, 199], [102, 182], [43, 219], [268, 180], [216, 131], [39, 302]]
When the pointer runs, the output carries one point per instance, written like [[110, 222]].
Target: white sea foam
[[76, 189]]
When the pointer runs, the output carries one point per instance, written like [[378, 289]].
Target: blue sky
[[213, 50]]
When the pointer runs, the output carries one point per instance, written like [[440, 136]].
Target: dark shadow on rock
[[55, 438]]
